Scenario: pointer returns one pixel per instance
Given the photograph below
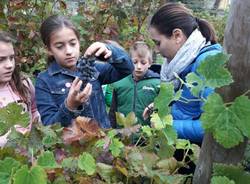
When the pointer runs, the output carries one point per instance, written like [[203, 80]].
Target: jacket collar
[[55, 68], [148, 75]]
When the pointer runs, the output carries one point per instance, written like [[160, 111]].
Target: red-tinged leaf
[[128, 131], [12, 19], [60, 154], [82, 128], [17, 4]]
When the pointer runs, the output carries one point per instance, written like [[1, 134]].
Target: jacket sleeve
[[117, 67], [189, 129], [50, 111]]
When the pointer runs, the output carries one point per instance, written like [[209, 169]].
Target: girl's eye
[[12, 58], [73, 43], [59, 46]]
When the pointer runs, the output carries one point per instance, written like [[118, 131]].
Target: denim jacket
[[52, 87]]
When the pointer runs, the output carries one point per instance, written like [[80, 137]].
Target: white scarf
[[183, 58]]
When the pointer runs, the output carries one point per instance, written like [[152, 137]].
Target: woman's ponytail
[[207, 30]]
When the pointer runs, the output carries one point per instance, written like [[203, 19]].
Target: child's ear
[[49, 51]]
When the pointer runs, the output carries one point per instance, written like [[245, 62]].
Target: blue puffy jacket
[[186, 114]]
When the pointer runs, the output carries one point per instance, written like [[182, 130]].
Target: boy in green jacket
[[136, 91]]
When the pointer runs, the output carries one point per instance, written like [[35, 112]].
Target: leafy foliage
[[47, 160], [7, 168], [36, 175], [87, 163], [127, 121], [212, 74], [7, 120], [214, 71], [235, 173], [230, 124], [164, 98], [221, 180]]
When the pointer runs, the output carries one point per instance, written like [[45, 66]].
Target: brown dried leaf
[[82, 128]]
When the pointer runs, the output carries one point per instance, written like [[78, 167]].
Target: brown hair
[[17, 81], [142, 49], [175, 15], [52, 24]]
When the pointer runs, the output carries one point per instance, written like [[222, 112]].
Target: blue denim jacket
[[52, 87]]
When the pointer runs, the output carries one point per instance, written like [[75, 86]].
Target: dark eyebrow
[[74, 39]]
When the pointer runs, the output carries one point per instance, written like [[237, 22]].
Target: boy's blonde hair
[[142, 49]]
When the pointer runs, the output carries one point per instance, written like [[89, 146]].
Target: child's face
[[141, 65], [7, 62], [65, 47]]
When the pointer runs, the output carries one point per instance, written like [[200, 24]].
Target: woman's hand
[[98, 49], [148, 111], [76, 97]]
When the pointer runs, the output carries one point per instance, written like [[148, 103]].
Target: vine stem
[[138, 140], [32, 156], [245, 94]]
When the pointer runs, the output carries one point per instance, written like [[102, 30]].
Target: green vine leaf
[[214, 72], [147, 130], [87, 163], [232, 172], [36, 175], [127, 121], [7, 168], [160, 123], [195, 83], [47, 160], [116, 147], [165, 97], [230, 124], [170, 134], [11, 115], [221, 180], [69, 163]]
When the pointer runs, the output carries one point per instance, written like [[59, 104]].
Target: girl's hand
[[76, 97], [147, 111], [98, 49]]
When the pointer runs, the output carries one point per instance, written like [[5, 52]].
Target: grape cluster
[[86, 67]]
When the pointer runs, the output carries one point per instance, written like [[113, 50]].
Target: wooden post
[[236, 43]]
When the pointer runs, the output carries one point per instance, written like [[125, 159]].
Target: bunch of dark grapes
[[86, 68]]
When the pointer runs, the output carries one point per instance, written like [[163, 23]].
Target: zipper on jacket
[[135, 89]]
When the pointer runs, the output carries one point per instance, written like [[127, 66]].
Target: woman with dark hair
[[184, 40]]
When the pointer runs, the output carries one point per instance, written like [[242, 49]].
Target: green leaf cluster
[[87, 163], [228, 124], [11, 115], [165, 97], [232, 172], [210, 73]]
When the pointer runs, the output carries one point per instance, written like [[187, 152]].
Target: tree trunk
[[236, 43], [216, 4]]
